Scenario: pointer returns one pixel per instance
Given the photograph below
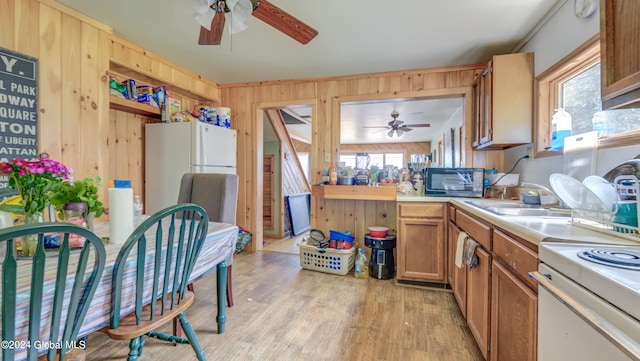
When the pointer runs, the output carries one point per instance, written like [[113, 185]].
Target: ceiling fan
[[211, 15], [397, 126]]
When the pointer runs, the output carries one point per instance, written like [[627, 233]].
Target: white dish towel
[[460, 248]]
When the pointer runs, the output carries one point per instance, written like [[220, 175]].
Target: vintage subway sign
[[18, 107]]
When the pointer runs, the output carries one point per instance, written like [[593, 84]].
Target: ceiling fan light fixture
[[203, 12], [240, 11]]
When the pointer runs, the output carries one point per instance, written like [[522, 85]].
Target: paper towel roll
[[120, 214]]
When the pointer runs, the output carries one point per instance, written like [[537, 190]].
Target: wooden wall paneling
[[452, 79], [135, 151], [50, 87], [72, 83], [434, 81], [27, 36], [87, 122], [102, 116], [117, 122], [254, 147], [8, 24]]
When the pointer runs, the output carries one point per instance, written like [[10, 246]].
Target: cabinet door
[[457, 276], [479, 300], [421, 252], [514, 309], [477, 112], [619, 55], [486, 118]]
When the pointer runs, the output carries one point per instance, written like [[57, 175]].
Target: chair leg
[[134, 347], [141, 345], [221, 277], [229, 290], [177, 331], [191, 336]]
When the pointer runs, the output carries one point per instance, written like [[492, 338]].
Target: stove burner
[[616, 257]]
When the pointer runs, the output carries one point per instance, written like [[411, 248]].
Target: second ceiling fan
[[211, 14], [397, 126]]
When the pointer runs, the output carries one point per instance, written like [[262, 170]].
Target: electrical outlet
[[327, 157], [530, 152]]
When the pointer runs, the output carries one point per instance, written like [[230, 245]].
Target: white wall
[[559, 36]]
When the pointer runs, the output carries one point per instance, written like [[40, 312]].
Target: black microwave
[[454, 182]]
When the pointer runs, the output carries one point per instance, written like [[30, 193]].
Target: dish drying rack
[[628, 189]]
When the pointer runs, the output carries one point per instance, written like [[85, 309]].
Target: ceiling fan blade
[[375, 126], [417, 125], [213, 36], [284, 22], [404, 128]]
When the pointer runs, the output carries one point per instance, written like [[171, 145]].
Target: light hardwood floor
[[283, 312]]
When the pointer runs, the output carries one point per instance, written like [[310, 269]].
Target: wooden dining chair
[[160, 290], [45, 297]]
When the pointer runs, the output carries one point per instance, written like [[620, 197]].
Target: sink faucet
[[546, 200]]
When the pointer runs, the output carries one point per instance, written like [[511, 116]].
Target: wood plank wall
[[73, 106], [75, 55], [325, 95]]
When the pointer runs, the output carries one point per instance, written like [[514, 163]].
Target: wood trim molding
[[354, 76]]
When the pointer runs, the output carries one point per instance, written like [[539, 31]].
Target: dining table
[[217, 251]]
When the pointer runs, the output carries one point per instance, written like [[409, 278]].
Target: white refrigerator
[[173, 149]]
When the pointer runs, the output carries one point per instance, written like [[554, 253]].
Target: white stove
[[610, 271]]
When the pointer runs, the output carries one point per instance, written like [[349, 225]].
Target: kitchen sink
[[503, 208]]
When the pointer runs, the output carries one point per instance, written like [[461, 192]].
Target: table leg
[[221, 276]]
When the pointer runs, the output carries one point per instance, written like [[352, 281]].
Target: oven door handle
[[601, 325]]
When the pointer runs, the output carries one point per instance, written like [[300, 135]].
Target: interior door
[[268, 200]]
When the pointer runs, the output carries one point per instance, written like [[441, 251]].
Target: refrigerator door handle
[[203, 155]]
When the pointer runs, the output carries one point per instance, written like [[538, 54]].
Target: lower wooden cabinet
[[513, 317], [457, 276], [479, 300], [496, 298], [421, 242]]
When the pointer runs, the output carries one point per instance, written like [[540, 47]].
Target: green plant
[[85, 190], [35, 181]]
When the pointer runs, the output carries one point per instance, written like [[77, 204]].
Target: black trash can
[[382, 264]]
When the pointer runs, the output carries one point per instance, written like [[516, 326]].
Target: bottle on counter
[[137, 210], [333, 174], [361, 266]]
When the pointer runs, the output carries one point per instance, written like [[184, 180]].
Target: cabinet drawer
[[477, 230], [421, 210], [516, 256]]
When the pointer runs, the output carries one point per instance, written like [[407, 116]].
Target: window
[[378, 159], [574, 85]]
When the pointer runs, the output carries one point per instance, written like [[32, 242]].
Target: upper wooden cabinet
[[503, 102], [619, 55]]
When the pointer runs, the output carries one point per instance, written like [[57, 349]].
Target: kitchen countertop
[[532, 229]]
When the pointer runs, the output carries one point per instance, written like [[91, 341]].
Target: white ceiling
[[354, 36]]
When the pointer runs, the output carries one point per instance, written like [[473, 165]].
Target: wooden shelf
[[373, 193], [130, 106]]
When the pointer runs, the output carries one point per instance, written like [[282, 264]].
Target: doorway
[[283, 172]]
